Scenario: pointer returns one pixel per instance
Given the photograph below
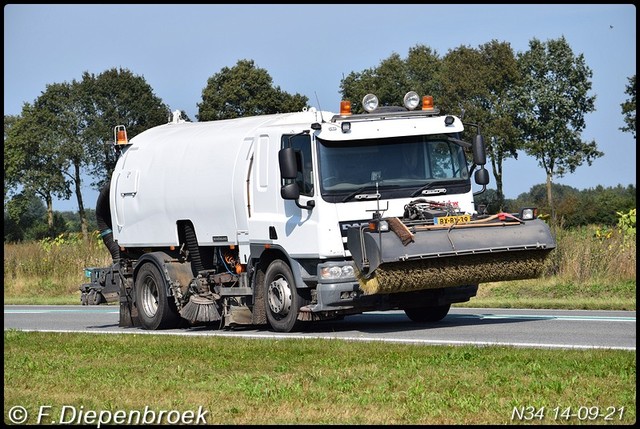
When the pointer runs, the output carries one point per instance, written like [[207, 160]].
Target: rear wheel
[[156, 310], [282, 300], [427, 314]]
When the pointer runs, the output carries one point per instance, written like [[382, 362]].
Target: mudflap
[[128, 311], [428, 256]]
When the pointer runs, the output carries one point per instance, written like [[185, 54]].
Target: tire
[[95, 298], [428, 314], [282, 300], [156, 310]]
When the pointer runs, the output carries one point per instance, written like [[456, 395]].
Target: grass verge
[[293, 381]]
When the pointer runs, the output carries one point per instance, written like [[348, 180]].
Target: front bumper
[[348, 298]]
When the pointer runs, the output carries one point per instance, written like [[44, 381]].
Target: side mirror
[[290, 191], [479, 153], [481, 176], [288, 164]]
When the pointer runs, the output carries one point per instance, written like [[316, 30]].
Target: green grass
[[294, 381], [553, 292]]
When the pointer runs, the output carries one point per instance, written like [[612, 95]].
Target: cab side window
[[302, 146]]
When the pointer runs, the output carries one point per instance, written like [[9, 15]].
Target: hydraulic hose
[[103, 218], [192, 246]]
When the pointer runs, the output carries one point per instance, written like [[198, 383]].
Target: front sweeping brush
[[453, 271], [432, 256]]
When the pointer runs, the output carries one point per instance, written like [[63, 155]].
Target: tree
[[33, 159], [245, 90], [552, 103], [389, 81], [61, 103], [22, 213], [66, 133], [393, 78], [629, 108], [423, 66], [25, 219], [115, 97], [462, 83], [480, 82], [596, 206], [9, 182]]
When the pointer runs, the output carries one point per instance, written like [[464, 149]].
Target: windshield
[[400, 162]]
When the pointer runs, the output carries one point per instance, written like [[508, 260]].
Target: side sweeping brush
[[200, 309]]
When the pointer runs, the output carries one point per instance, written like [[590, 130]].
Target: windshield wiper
[[428, 186], [365, 187]]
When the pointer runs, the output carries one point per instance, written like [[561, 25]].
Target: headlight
[[380, 225], [337, 271]]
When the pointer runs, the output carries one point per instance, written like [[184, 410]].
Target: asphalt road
[[571, 329]]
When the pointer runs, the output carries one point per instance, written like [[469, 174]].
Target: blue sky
[[307, 49]]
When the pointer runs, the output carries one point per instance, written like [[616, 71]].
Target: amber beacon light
[[427, 102], [121, 135]]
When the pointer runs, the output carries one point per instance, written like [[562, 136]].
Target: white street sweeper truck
[[289, 218]]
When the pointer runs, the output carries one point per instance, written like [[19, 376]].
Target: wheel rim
[[279, 295], [149, 297]]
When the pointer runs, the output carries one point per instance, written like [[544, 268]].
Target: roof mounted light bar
[[371, 105], [385, 115]]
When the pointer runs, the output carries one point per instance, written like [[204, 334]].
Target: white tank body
[[190, 171]]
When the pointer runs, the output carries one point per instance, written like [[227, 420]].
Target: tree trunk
[[550, 201], [49, 201], [497, 174], [499, 191]]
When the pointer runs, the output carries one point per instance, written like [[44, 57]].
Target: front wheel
[[427, 314], [156, 309], [282, 300]]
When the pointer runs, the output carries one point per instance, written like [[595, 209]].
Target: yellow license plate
[[449, 220]]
